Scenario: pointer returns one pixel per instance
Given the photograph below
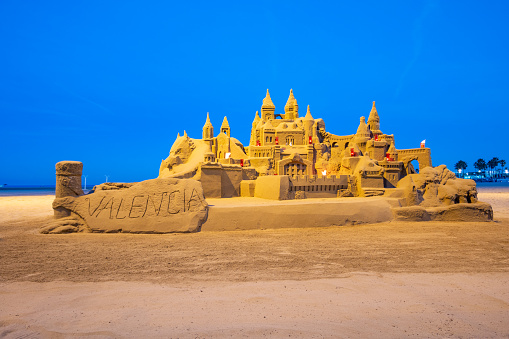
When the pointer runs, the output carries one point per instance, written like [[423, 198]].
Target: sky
[[111, 83]]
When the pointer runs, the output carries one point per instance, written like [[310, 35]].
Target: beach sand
[[387, 280]]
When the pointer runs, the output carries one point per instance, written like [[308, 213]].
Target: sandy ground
[[386, 280]]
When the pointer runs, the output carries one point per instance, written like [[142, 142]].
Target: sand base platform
[[235, 214], [255, 213]]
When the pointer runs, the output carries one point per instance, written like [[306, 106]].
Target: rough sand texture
[[357, 305], [432, 279]]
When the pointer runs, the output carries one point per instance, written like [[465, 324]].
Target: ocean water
[[9, 191], [12, 191], [493, 187]]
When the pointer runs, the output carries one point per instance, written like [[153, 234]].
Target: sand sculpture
[[288, 158], [151, 206]]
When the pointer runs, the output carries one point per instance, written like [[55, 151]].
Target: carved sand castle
[[288, 158]]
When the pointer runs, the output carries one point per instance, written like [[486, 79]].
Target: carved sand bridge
[[422, 155]]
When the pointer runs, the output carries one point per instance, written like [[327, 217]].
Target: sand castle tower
[[253, 129], [291, 107], [308, 123], [268, 107], [392, 153], [374, 121], [209, 156], [208, 129], [225, 127], [363, 133]]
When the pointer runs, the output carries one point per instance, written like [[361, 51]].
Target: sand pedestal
[[68, 183]]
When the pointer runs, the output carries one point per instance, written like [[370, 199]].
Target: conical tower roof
[[207, 122], [373, 115], [374, 120], [267, 101], [392, 149], [362, 130], [225, 123], [291, 99], [308, 115], [257, 118], [291, 105]]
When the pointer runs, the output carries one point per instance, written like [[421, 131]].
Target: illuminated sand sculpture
[[290, 160]]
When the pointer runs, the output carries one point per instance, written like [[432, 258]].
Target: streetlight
[[85, 176]]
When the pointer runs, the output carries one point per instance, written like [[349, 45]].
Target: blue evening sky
[[111, 83]]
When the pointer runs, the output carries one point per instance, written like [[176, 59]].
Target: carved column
[[68, 183]]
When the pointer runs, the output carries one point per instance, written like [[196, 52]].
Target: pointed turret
[[291, 107], [253, 129], [392, 153], [308, 115], [225, 127], [308, 123], [185, 134], [257, 118], [363, 132], [208, 129], [374, 121], [268, 107], [267, 101]]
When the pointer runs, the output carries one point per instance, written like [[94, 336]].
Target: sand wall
[[255, 213]]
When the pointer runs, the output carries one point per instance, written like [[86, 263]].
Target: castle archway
[[413, 167]]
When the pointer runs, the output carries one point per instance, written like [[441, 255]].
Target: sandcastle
[[288, 158]]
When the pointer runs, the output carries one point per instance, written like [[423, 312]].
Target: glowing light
[[227, 155], [324, 172]]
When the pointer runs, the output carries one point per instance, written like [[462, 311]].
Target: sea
[[21, 190]]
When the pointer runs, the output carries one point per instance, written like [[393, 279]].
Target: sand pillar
[[68, 183]]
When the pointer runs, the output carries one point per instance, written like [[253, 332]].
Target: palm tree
[[460, 165], [480, 164], [501, 163], [492, 164]]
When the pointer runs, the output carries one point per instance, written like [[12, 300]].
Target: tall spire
[[374, 120], [208, 129], [267, 101], [308, 115], [257, 118], [207, 121], [268, 108], [291, 107]]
